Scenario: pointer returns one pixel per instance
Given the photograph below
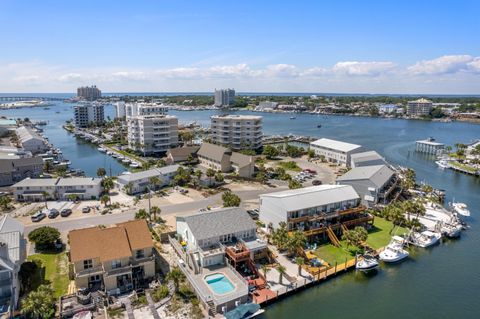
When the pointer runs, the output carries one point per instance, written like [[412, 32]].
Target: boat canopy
[[242, 311]]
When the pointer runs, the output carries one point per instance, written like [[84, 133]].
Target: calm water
[[442, 282]]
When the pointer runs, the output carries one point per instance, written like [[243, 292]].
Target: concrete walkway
[[128, 307], [151, 304]]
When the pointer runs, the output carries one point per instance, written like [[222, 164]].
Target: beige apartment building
[[237, 131], [151, 134], [115, 259]]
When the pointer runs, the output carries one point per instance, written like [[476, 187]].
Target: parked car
[[316, 182], [53, 213], [58, 244], [86, 210], [253, 214], [66, 212], [311, 171], [38, 216]]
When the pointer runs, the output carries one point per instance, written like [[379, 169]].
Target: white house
[[12, 255], [335, 151], [366, 159], [83, 187], [30, 140], [141, 180]]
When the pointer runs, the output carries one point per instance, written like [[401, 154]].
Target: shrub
[[44, 237]]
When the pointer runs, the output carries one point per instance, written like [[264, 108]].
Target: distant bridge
[[29, 98]]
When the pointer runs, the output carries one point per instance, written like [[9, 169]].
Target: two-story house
[[115, 259]]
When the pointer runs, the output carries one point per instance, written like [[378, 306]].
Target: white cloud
[[363, 68], [446, 64]]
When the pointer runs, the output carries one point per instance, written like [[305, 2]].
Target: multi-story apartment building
[[420, 107], [88, 114], [152, 134], [138, 182], [237, 131], [89, 93], [39, 189], [14, 168], [225, 97], [144, 109], [115, 259], [335, 151], [12, 255], [316, 210], [120, 109]]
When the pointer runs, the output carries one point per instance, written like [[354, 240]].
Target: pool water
[[219, 283]]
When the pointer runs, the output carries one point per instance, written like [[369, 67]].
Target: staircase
[[333, 238], [344, 229], [194, 263], [212, 308]]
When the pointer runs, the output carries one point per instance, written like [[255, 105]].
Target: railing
[[143, 260], [327, 215], [89, 271], [118, 271], [244, 254]]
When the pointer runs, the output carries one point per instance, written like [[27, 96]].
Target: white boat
[[424, 239], [442, 164], [394, 251], [114, 155], [109, 153], [134, 165], [451, 230], [126, 161], [461, 209], [101, 149], [366, 263]]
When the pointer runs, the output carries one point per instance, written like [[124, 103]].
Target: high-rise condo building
[[224, 97], [421, 107], [89, 93], [89, 114], [237, 131]]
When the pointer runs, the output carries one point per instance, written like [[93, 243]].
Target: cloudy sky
[[429, 47]]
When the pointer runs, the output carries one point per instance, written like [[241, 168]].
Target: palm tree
[[5, 202], [155, 210], [396, 216], [101, 172], [300, 262], [39, 303], [128, 188], [210, 173], [296, 241], [45, 196], [281, 271], [105, 199], [107, 184], [154, 182], [265, 271], [198, 174], [175, 275]]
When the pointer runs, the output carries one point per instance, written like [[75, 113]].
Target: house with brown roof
[[115, 259], [181, 154], [223, 159]]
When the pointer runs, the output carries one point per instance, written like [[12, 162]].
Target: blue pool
[[219, 283]]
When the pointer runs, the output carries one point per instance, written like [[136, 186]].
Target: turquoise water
[[219, 283], [442, 282]]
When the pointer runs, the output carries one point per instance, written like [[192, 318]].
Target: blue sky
[[275, 46]]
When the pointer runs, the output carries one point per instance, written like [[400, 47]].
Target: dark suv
[[65, 212]]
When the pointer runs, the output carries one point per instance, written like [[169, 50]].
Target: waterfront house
[[7, 125], [140, 181], [374, 184], [181, 154], [366, 159], [12, 255], [31, 141], [223, 159], [335, 151], [314, 210], [218, 243], [115, 259], [39, 189], [14, 168], [429, 146]]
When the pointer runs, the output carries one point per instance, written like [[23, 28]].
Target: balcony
[[238, 254], [354, 222], [141, 261], [331, 214], [89, 271], [118, 271]]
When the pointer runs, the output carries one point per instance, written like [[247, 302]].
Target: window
[[116, 264], [140, 253], [87, 264]]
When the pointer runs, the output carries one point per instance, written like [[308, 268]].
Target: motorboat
[[366, 262], [451, 230], [461, 209], [109, 153], [292, 117], [424, 239], [126, 161], [394, 251], [442, 164], [101, 149], [319, 125], [134, 165]]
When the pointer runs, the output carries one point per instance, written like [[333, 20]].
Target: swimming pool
[[219, 283]]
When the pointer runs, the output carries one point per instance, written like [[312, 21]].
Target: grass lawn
[[290, 166], [379, 236], [55, 271], [464, 167]]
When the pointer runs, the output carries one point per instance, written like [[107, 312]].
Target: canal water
[[442, 282]]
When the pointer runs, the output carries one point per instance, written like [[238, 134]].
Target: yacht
[[451, 230], [394, 251], [101, 149], [134, 165], [292, 117], [109, 153], [442, 164], [461, 209], [366, 262], [424, 239], [126, 161]]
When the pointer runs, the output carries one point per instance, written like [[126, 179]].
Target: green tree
[[154, 182], [219, 177], [107, 184], [296, 241], [141, 214], [230, 199], [281, 271], [39, 303], [5, 202], [47, 166], [175, 275], [128, 188], [300, 262], [270, 152], [198, 174], [280, 236], [155, 210], [45, 196], [294, 184], [210, 173], [355, 237], [310, 153], [101, 172], [44, 237], [265, 270], [61, 171], [105, 199]]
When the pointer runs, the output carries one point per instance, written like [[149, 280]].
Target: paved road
[[65, 225]]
